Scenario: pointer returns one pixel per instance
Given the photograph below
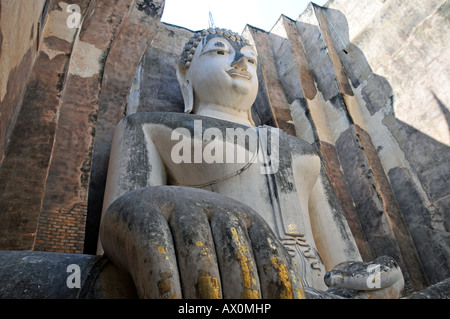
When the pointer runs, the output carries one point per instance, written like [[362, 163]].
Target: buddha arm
[[134, 160], [133, 164], [332, 234], [330, 229]]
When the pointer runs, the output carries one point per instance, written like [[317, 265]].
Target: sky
[[232, 14]]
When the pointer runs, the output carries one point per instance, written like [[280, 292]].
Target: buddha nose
[[239, 62]]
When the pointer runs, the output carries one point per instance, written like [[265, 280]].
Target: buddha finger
[[235, 256], [199, 270], [136, 237], [278, 278]]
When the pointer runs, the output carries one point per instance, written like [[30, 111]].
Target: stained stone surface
[[47, 275], [328, 76]]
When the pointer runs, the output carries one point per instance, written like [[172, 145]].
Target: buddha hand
[[381, 278], [181, 242]]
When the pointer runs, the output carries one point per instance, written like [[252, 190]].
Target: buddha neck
[[223, 112]]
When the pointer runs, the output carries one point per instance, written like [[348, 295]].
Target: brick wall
[[51, 107], [63, 230]]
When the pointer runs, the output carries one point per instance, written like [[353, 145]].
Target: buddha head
[[217, 75]]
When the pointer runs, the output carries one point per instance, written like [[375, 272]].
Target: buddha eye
[[251, 61], [221, 52]]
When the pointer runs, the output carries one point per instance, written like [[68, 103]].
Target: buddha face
[[223, 72]]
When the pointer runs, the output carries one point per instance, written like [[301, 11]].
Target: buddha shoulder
[[299, 146]]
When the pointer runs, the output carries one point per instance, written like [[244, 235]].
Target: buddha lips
[[236, 73]]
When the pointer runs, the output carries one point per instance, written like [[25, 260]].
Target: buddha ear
[[186, 88]]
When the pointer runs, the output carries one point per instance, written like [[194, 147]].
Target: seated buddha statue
[[204, 204]]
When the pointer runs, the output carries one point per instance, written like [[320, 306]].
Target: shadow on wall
[[421, 181]]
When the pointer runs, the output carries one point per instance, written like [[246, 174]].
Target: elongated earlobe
[[186, 88]]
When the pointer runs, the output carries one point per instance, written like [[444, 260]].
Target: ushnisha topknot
[[192, 44]]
